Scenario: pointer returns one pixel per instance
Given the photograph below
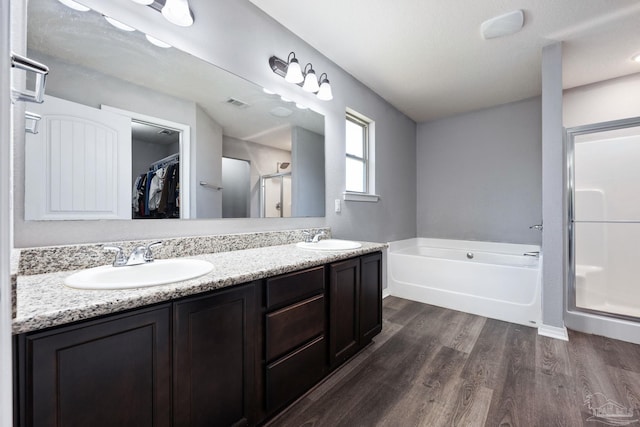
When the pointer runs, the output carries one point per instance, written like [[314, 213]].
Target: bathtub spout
[[532, 253]]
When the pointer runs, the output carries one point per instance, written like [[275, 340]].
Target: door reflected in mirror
[[94, 65]]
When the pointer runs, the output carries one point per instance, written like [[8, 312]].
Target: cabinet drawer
[[290, 288], [294, 374], [294, 325]]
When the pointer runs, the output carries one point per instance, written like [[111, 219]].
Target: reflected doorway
[[236, 188]]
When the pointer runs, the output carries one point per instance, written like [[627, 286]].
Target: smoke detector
[[503, 25]]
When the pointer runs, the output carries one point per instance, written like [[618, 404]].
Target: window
[[357, 148]]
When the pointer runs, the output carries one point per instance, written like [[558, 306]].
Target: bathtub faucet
[[532, 253]]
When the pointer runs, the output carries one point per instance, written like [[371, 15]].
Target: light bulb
[[177, 12], [324, 93], [294, 72], [311, 82], [75, 5]]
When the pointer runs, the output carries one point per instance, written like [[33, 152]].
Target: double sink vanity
[[230, 346]]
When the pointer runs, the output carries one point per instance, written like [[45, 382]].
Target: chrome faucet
[[139, 255], [318, 236], [536, 227], [310, 237]]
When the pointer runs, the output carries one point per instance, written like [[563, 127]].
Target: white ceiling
[[428, 58]]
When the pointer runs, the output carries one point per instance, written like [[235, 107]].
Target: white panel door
[[79, 164]]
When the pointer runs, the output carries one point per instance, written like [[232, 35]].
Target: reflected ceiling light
[[636, 58], [324, 93], [119, 25], [306, 79], [157, 42], [310, 79], [75, 5], [177, 12], [144, 2]]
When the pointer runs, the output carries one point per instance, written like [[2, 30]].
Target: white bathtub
[[488, 279]]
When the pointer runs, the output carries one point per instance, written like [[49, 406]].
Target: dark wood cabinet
[[231, 357], [295, 342], [214, 353], [344, 306], [110, 372], [370, 297], [355, 305]]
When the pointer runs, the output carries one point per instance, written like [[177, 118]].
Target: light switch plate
[[338, 206]]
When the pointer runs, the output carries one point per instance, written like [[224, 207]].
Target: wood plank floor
[[436, 367]]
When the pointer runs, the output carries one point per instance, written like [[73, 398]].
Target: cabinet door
[[344, 303], [370, 297], [214, 358], [109, 372]]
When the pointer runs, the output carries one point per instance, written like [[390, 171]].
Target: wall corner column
[[553, 194]]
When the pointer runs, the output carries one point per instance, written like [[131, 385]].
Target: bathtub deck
[[432, 366]]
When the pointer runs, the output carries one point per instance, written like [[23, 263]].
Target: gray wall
[[553, 189], [307, 173], [240, 38], [206, 165], [263, 160], [479, 175]]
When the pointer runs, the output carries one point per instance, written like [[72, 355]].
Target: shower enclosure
[[275, 195], [604, 225]]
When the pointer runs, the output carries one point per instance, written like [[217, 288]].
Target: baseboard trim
[[553, 332], [385, 293]]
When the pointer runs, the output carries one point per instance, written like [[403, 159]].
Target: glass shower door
[[605, 220]]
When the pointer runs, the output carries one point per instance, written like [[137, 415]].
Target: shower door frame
[[569, 141], [263, 205]]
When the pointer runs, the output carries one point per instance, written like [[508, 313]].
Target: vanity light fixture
[[119, 25], [290, 70], [177, 12], [75, 5]]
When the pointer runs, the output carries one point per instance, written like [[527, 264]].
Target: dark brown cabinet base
[[110, 372], [232, 357], [213, 358], [355, 301]]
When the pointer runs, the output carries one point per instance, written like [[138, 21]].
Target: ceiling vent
[[502, 25], [237, 103]]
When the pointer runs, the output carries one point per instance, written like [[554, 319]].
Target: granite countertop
[[44, 301]]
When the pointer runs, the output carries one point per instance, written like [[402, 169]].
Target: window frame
[[365, 125]]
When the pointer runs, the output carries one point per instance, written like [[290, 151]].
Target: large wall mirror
[[131, 130]]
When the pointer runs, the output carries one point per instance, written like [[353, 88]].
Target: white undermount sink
[[330, 245], [158, 272]]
